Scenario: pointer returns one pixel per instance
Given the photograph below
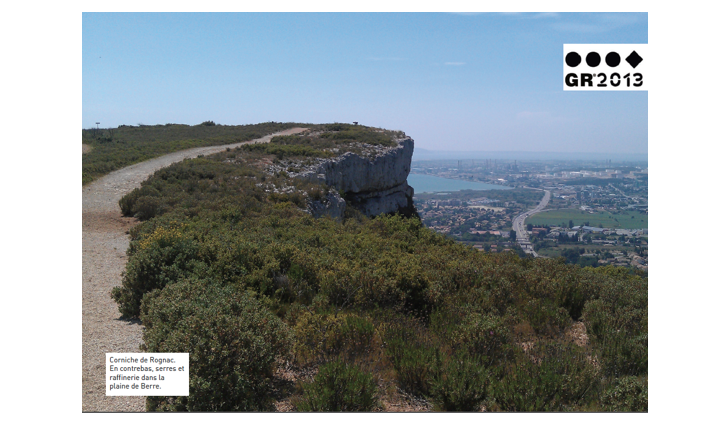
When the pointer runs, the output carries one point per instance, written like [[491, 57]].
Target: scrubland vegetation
[[325, 141], [232, 270], [115, 148]]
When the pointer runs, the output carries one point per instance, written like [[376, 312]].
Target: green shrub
[[143, 202], [551, 376], [282, 151], [361, 134], [339, 387], [460, 383], [232, 341], [545, 317], [622, 353], [329, 336], [480, 335], [337, 126], [629, 394], [617, 325], [413, 356], [164, 257]]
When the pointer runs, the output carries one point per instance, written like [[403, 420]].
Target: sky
[[462, 82]]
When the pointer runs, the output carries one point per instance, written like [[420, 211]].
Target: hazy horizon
[[421, 154]]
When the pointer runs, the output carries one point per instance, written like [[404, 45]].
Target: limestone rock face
[[395, 199], [375, 183], [332, 205]]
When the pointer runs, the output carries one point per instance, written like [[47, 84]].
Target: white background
[[41, 207]]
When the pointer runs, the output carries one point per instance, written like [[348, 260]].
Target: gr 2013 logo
[[605, 67]]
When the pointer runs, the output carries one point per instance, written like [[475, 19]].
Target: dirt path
[[104, 257]]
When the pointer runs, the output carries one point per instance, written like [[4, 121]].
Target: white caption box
[[147, 374], [605, 67]]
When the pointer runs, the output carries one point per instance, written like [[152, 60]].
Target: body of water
[[431, 184]]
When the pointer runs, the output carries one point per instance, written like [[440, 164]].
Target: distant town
[[595, 212]]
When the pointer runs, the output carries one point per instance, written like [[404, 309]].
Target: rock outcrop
[[374, 182], [332, 205]]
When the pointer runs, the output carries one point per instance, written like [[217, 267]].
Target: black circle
[[573, 59], [593, 59], [613, 59]]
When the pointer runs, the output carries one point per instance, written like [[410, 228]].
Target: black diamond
[[634, 59]]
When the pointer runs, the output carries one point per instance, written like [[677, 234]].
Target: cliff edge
[[374, 181]]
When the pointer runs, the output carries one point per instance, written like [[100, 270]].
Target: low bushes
[[164, 257], [552, 376], [330, 336], [628, 394], [425, 315], [322, 144], [116, 148], [617, 324], [461, 382], [413, 355], [545, 317], [231, 338], [339, 386]]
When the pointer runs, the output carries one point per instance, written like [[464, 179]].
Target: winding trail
[[105, 241]]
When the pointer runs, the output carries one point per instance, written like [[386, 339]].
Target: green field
[[561, 217], [554, 252]]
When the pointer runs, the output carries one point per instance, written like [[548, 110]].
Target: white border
[[42, 70]]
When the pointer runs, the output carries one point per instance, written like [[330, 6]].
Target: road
[[518, 224]]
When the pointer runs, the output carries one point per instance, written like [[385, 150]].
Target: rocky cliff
[[373, 180]]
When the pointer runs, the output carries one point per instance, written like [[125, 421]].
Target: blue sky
[[487, 81]]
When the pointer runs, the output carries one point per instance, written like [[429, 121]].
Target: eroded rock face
[[395, 199], [374, 183], [332, 205]]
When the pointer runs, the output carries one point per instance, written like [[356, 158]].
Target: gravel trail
[[105, 241]]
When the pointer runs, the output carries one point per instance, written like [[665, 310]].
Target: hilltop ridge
[[364, 167]]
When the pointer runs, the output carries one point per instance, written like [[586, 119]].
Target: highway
[[518, 224]]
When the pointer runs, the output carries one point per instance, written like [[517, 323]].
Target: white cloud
[[455, 63]]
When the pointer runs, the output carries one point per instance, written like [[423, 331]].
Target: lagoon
[[431, 184]]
